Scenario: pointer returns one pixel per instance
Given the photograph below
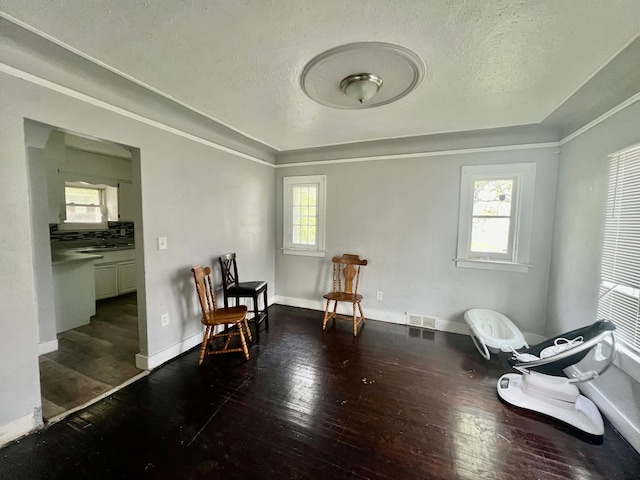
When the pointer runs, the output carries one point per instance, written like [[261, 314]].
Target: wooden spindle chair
[[212, 316], [346, 278]]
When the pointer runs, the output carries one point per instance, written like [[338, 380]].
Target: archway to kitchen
[[86, 212]]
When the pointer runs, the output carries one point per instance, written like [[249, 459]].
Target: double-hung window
[[620, 267], [85, 205], [494, 229], [304, 215]]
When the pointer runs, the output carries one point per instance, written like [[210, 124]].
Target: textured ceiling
[[489, 63]]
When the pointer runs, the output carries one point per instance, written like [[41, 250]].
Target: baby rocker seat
[[493, 332], [543, 385]]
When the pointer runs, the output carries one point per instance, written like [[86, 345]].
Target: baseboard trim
[[373, 314], [149, 362], [17, 428], [47, 347], [619, 420]]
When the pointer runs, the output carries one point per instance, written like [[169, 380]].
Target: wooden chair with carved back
[[346, 278], [212, 317]]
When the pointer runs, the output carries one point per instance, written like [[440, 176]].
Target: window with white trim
[[304, 215], [496, 207], [85, 205], [619, 299]]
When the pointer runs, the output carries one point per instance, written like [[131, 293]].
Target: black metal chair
[[236, 289]]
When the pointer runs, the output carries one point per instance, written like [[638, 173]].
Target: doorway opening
[[86, 220]]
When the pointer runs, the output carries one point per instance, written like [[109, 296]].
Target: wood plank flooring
[[91, 359], [393, 403]]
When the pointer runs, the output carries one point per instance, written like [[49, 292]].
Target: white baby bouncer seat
[[493, 332], [549, 374]]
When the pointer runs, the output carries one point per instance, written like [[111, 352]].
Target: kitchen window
[[494, 227], [304, 215], [85, 206]]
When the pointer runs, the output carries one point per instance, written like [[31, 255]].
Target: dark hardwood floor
[[91, 359], [394, 404]]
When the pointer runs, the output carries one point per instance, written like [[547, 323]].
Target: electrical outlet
[[164, 319], [162, 243], [379, 296]]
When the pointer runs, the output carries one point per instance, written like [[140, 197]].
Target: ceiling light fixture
[[329, 78], [361, 86]]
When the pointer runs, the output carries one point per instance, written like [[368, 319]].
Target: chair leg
[[246, 326], [326, 316], [266, 310], [256, 315], [362, 319], [205, 340], [243, 341], [355, 321]]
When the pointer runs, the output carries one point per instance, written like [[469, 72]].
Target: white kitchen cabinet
[[106, 280], [125, 201], [126, 277], [115, 273]]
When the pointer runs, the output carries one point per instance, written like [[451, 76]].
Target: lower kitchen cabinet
[[115, 274], [126, 277], [106, 280]]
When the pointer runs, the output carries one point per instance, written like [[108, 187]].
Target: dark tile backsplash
[[117, 232]]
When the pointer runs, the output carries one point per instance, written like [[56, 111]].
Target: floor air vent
[[421, 321]]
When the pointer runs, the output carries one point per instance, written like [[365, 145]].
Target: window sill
[[306, 253], [627, 360], [499, 265]]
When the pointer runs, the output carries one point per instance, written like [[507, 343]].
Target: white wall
[[206, 202], [38, 201], [402, 216], [577, 246]]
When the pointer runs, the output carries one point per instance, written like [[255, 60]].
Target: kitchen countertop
[[59, 257], [89, 252]]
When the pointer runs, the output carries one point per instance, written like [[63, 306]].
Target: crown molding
[[35, 80], [439, 153]]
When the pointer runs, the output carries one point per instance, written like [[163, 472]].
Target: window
[[303, 216], [85, 205], [620, 267], [496, 204]]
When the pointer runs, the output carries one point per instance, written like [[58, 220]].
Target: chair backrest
[[347, 267], [204, 287], [229, 270]]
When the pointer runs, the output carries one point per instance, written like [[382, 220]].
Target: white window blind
[[620, 277]]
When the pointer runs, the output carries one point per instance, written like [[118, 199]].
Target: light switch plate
[[162, 243]]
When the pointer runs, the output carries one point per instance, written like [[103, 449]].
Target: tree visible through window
[[494, 227], [491, 222]]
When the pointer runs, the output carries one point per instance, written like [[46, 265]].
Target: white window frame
[[290, 248], [524, 175], [76, 226]]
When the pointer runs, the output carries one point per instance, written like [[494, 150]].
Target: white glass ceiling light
[[332, 78], [361, 86]]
